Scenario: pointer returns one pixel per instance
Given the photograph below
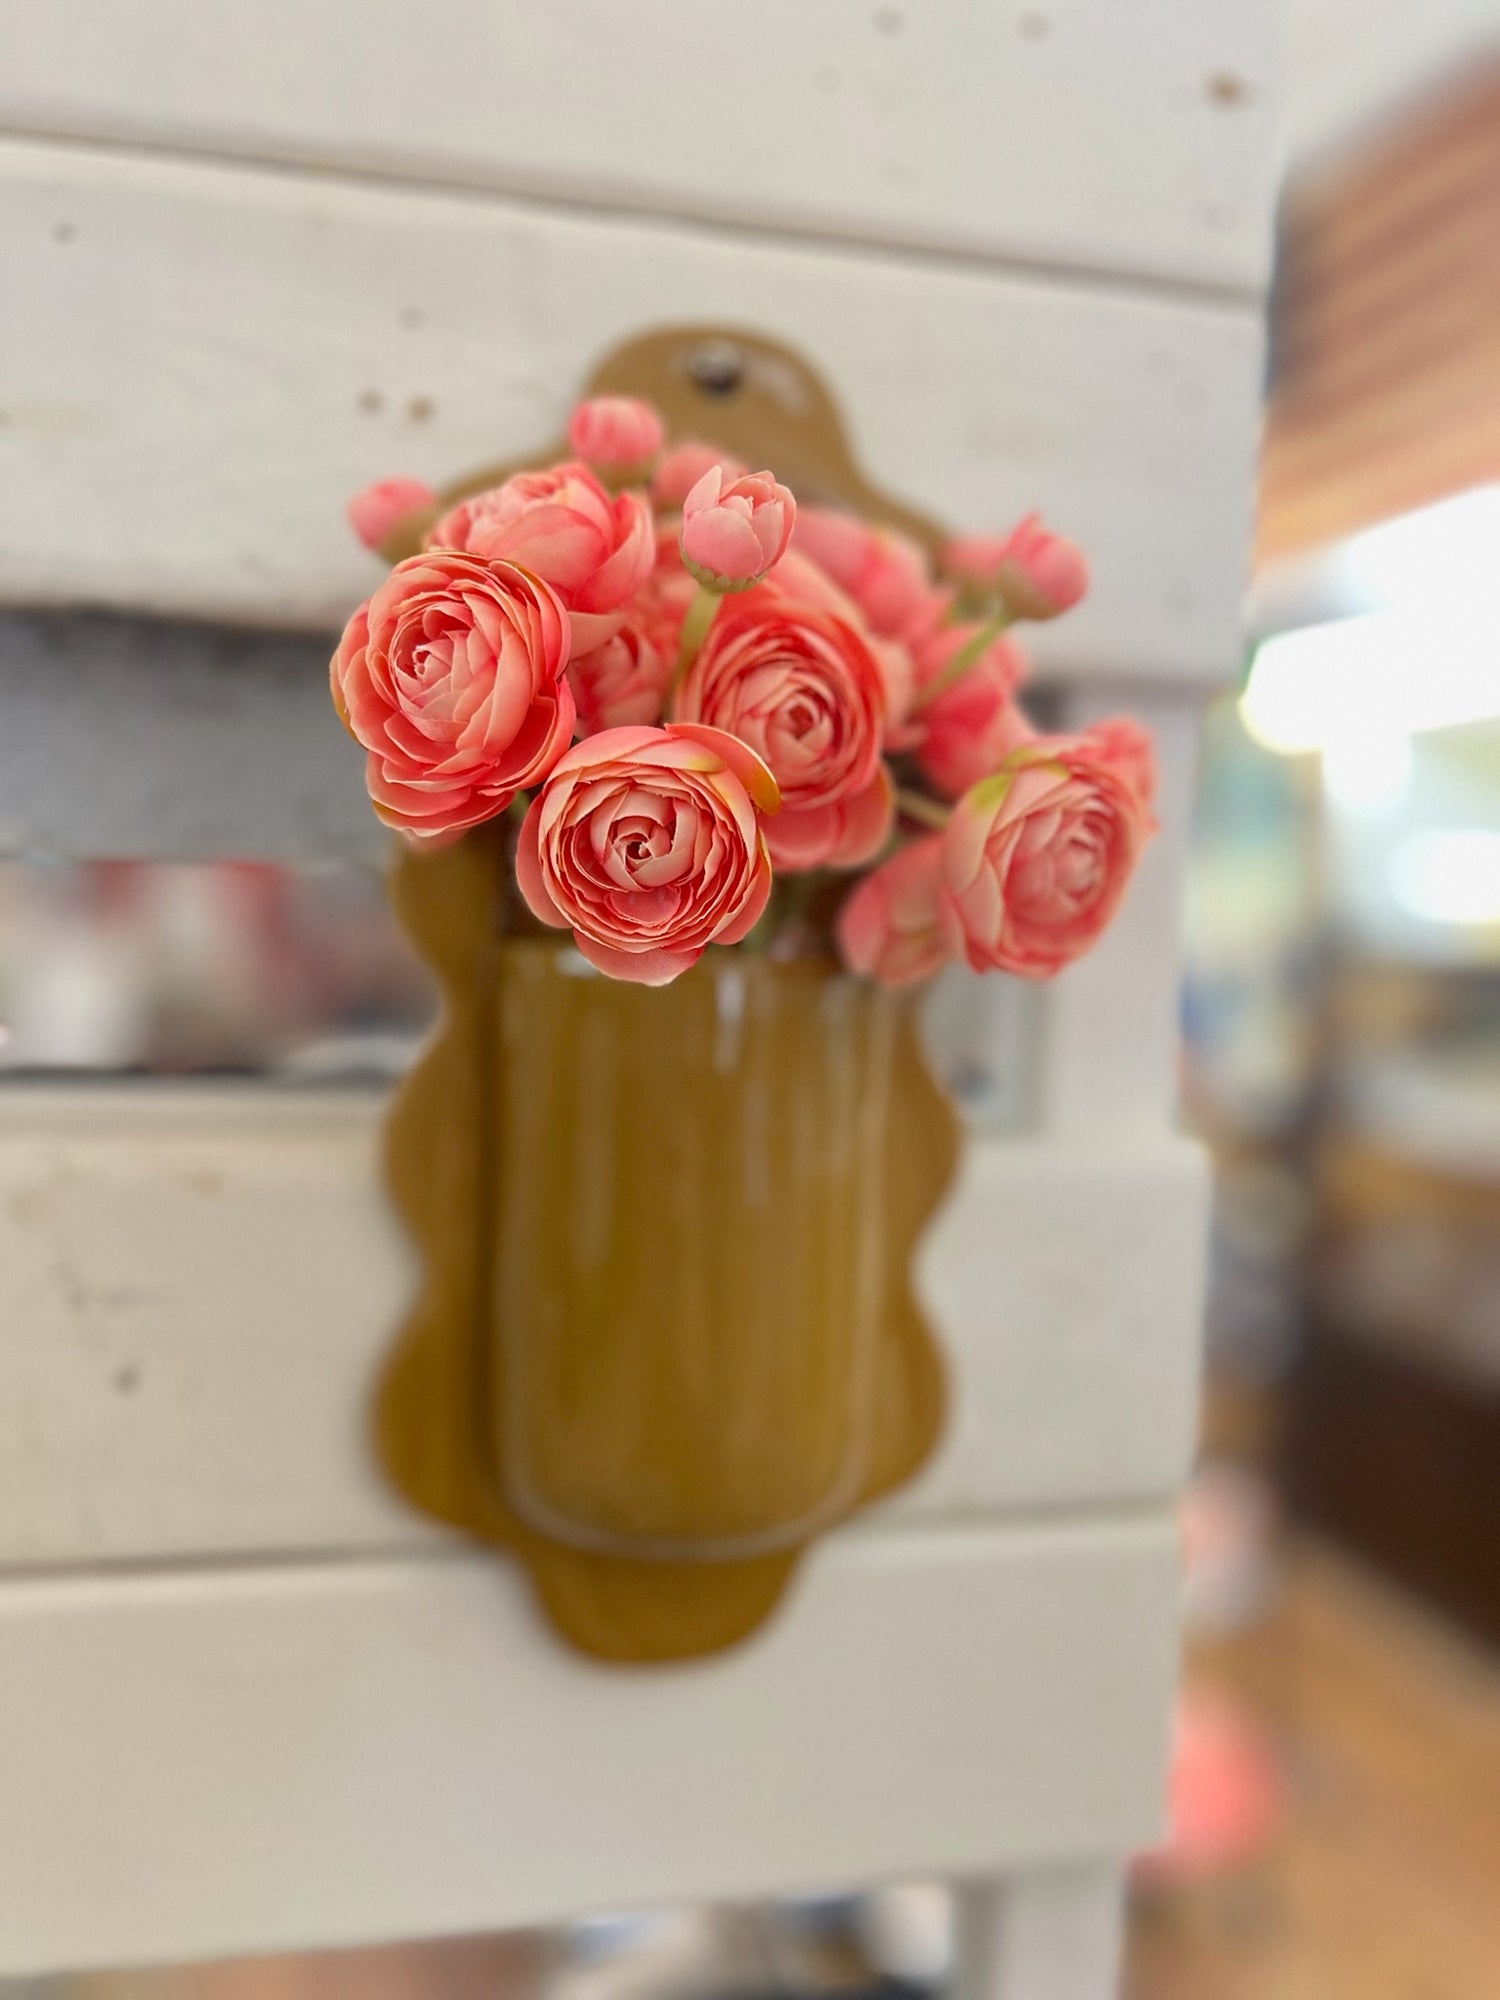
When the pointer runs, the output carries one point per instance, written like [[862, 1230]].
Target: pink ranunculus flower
[[974, 560], [1035, 573], [1003, 661], [733, 530], [1036, 858], [802, 687], [560, 524], [648, 845], [679, 469], [615, 433], [890, 928], [1121, 743], [452, 678], [882, 570], [797, 579], [969, 730], [375, 510], [625, 681]]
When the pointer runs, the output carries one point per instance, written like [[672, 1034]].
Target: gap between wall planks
[[1134, 141], [208, 359], [172, 741]]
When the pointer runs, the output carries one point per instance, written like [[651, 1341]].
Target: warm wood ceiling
[[1385, 390]]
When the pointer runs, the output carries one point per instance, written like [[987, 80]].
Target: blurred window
[[221, 967]]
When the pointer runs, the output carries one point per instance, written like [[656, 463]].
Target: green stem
[[700, 615], [925, 811], [962, 660]]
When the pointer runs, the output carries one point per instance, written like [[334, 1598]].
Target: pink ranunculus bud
[[733, 530], [452, 677], [973, 560], [594, 550], [647, 844], [679, 470], [1036, 858], [1033, 572], [883, 570], [889, 927], [375, 510], [615, 433], [969, 730], [804, 689]]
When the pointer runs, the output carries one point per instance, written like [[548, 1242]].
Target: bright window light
[[1449, 876], [1384, 673], [1425, 654], [1443, 554], [1370, 773]]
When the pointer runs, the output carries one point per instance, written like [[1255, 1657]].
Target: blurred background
[[1336, 1795]]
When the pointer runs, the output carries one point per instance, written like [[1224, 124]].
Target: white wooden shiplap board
[[1130, 138], [197, 1286], [1066, 1285], [247, 1700], [203, 361], [271, 1758]]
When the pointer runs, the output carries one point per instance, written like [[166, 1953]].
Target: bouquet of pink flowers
[[720, 718]]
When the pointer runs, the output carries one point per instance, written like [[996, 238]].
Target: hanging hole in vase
[[717, 368]]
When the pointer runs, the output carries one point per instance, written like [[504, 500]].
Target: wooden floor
[[1386, 1885]]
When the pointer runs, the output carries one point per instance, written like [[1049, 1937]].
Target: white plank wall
[[252, 257], [208, 1279], [1129, 138], [197, 1765], [204, 361]]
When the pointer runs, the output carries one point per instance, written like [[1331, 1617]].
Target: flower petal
[[529, 878]]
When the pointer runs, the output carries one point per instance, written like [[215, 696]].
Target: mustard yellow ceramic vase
[[666, 1332]]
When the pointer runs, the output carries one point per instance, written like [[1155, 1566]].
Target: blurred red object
[[1226, 1799]]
